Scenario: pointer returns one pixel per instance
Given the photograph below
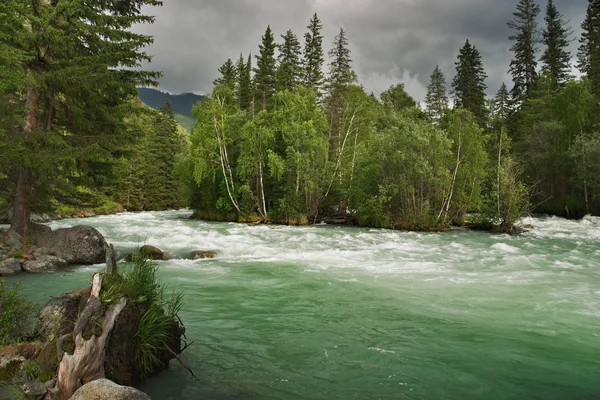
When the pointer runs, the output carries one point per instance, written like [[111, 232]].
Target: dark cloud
[[392, 41]]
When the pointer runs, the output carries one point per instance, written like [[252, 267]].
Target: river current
[[324, 312]]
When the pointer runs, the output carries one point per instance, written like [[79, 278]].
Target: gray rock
[[76, 245], [13, 239], [103, 389], [40, 218], [10, 266], [34, 388], [44, 264], [49, 322]]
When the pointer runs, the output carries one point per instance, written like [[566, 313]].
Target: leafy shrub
[[15, 314]]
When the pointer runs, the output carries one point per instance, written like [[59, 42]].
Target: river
[[326, 312]]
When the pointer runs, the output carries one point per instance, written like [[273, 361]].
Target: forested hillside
[[278, 140], [181, 103]]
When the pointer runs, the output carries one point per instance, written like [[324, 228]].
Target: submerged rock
[[201, 254], [103, 389], [76, 245]]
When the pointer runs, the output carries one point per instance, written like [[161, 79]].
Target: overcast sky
[[392, 41]]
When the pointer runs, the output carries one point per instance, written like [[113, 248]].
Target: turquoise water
[[345, 313]]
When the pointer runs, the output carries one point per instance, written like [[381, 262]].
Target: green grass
[[138, 282]]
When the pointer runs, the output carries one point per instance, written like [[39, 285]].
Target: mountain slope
[[182, 103]]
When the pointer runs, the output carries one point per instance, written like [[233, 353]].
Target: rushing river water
[[327, 312]]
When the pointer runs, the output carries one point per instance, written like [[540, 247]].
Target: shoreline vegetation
[[70, 345], [283, 139]]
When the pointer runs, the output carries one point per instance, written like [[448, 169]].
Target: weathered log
[[87, 361], [111, 259]]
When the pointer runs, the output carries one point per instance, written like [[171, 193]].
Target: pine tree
[[243, 86], [468, 86], [313, 56], [589, 49], [228, 75], [436, 98], [523, 65], [341, 73], [265, 71], [79, 63], [289, 70], [556, 58], [501, 106]]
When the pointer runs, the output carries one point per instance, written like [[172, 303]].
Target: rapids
[[326, 312]]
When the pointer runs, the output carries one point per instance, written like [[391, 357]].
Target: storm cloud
[[392, 41]]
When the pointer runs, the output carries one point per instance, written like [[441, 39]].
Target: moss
[[47, 360], [10, 370], [69, 345]]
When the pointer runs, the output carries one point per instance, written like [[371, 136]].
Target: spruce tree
[[80, 61], [468, 86], [290, 65], [523, 65], [341, 74], [313, 56], [556, 58], [501, 106], [228, 75], [265, 71], [589, 49], [243, 86], [436, 98]]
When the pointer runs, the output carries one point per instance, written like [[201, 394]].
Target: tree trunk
[[22, 202], [87, 361]]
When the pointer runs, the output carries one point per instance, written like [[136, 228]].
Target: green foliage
[[468, 86], [523, 66], [138, 282], [289, 71], [15, 314], [397, 99], [556, 58], [313, 56], [436, 98], [149, 337], [265, 72], [228, 75]]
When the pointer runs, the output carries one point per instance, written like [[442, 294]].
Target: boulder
[[13, 239], [149, 253], [198, 255], [10, 266], [103, 389], [44, 264], [34, 389], [76, 245]]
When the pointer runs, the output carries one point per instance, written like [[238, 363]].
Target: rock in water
[[198, 255], [103, 389], [148, 252], [76, 245], [44, 264], [9, 266]]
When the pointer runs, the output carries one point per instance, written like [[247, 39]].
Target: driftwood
[[87, 361], [111, 259]]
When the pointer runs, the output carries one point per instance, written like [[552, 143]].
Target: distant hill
[[182, 103], [185, 121]]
